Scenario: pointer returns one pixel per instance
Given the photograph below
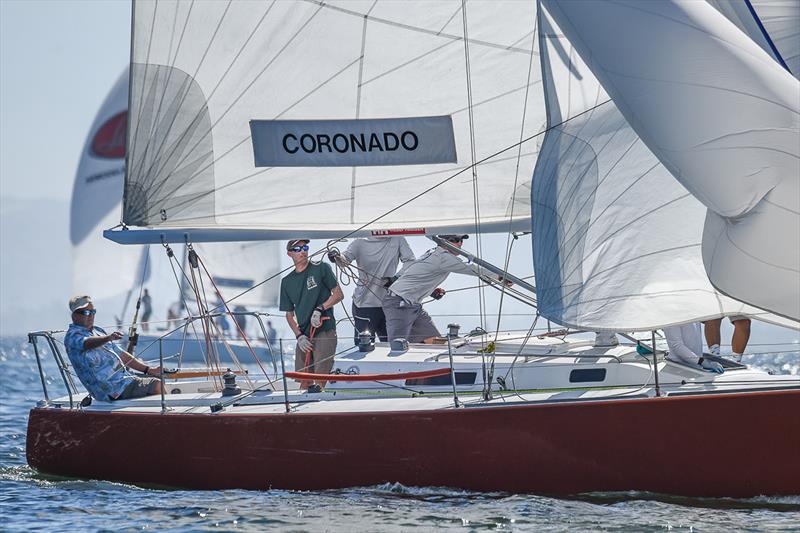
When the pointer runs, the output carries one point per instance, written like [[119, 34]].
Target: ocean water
[[33, 502]]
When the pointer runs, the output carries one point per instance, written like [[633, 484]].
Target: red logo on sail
[[109, 141]]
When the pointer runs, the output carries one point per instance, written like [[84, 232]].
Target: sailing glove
[[316, 317], [712, 366], [438, 293], [333, 255], [304, 343]]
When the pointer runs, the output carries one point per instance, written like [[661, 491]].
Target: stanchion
[[452, 372]]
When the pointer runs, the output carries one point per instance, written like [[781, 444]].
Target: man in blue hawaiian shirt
[[100, 364]]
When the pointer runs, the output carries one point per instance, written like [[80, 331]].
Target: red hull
[[714, 445]]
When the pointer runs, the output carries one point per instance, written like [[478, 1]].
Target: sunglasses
[[303, 248], [86, 312]]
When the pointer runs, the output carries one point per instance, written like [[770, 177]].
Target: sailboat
[[116, 276], [430, 118]]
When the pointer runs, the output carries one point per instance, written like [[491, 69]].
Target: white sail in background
[[722, 116], [617, 240], [99, 267], [203, 71]]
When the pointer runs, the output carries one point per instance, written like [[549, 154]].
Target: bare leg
[[741, 334], [711, 329]]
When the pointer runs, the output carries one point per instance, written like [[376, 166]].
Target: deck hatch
[[585, 375]]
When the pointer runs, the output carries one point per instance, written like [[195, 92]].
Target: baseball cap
[[454, 238], [79, 302], [296, 242]]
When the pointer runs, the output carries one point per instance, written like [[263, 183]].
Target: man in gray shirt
[[377, 258], [402, 305]]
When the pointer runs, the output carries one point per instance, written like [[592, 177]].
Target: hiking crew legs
[[407, 321]]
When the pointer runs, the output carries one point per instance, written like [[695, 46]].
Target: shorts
[[407, 321], [139, 388], [321, 356]]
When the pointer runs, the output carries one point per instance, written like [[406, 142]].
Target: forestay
[[617, 240], [722, 116], [204, 71]]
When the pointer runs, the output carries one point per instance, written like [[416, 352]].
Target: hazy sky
[[58, 60]]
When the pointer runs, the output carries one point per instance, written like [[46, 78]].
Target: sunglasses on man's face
[[303, 248], [87, 312]]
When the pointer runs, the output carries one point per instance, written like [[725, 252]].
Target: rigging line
[[409, 62], [358, 110], [450, 20], [509, 242], [496, 97], [508, 48], [193, 76], [475, 193], [221, 78], [420, 194], [235, 322], [204, 321], [519, 352], [172, 261], [217, 330], [433, 173]]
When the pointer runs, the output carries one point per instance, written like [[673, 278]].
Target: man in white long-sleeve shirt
[[402, 305], [685, 343]]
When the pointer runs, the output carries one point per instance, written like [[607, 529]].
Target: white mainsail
[[203, 71], [722, 116]]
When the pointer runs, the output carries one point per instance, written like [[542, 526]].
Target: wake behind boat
[[229, 104]]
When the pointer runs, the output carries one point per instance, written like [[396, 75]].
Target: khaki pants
[[321, 355]]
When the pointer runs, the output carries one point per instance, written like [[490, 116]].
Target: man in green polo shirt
[[308, 295]]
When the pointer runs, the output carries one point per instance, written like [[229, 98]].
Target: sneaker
[[314, 388], [736, 357], [714, 350]]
